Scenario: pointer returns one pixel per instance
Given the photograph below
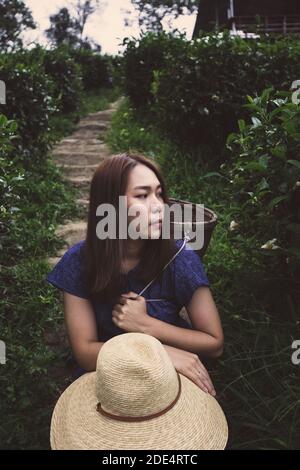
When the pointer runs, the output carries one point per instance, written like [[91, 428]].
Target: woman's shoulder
[[76, 248], [185, 254], [68, 273], [74, 254], [189, 272]]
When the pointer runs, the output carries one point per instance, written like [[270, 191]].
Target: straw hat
[[136, 400]]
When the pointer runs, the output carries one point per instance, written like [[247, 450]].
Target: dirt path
[[78, 155]]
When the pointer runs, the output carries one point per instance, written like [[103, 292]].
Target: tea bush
[[95, 68], [42, 84], [265, 185], [30, 103], [195, 89], [66, 75]]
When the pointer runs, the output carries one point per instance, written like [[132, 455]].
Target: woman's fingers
[[199, 382], [130, 295], [203, 371], [203, 383], [189, 364], [206, 377], [207, 382], [201, 375], [117, 314], [118, 307]]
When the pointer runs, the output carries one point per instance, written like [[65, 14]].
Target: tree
[[90, 45], [62, 29], [84, 9], [151, 13], [15, 18], [69, 29]]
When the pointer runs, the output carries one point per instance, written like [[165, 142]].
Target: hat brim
[[196, 422]]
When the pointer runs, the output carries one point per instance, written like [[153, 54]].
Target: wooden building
[[260, 16]]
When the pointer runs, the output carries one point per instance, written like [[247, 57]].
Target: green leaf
[[262, 185], [276, 200], [241, 124], [279, 151], [266, 94], [255, 166], [231, 137], [13, 126], [275, 112], [256, 122], [212, 173], [290, 127], [264, 160], [3, 120]]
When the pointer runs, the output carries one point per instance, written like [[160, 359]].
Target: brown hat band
[[141, 418]]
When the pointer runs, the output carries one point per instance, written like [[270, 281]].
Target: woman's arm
[[82, 330], [82, 333], [207, 337]]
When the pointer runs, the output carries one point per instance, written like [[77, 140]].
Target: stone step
[[84, 134], [103, 116], [92, 125], [81, 147], [80, 158], [115, 104], [79, 181], [83, 202], [72, 232], [72, 141], [84, 192], [78, 170]]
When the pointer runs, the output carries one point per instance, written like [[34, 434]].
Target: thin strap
[[186, 238], [141, 418]]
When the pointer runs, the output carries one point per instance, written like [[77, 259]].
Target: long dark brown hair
[[103, 257]]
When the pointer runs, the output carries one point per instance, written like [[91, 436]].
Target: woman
[[101, 278]]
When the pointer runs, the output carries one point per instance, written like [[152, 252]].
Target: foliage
[[15, 17], [96, 68], [30, 101], [265, 185], [166, 77]]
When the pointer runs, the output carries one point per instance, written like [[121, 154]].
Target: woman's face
[[144, 199]]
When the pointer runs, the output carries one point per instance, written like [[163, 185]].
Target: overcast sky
[[106, 27]]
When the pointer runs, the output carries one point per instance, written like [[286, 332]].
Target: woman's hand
[[189, 364], [130, 313]]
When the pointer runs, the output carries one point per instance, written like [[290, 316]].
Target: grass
[[100, 100], [255, 379], [63, 125], [31, 312]]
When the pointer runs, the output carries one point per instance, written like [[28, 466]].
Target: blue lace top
[[165, 298]]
